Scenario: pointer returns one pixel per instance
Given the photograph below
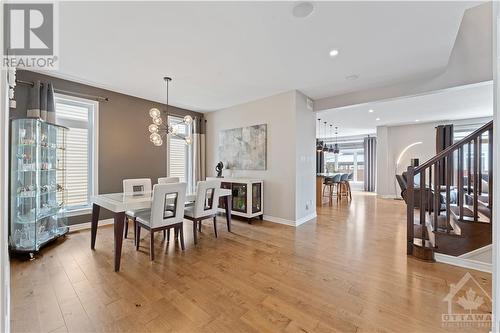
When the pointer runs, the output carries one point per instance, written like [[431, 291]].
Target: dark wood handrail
[[454, 147]]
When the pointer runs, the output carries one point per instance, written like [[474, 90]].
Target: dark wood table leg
[[228, 201], [118, 225], [93, 225]]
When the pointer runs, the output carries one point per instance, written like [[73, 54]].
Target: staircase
[[449, 198]]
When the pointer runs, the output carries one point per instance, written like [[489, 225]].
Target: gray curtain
[[41, 102], [370, 145], [198, 150]]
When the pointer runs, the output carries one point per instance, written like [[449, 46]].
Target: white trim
[[78, 212], [462, 262], [305, 219], [388, 196], [279, 220], [291, 223], [481, 250], [87, 225]]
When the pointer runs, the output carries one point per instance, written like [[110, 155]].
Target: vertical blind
[[77, 115]]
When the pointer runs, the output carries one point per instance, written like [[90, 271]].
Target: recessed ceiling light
[[371, 110], [417, 120], [352, 77], [334, 53], [377, 119], [303, 9]]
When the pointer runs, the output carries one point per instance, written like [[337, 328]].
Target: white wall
[[289, 160], [4, 257], [392, 140], [496, 169], [305, 175]]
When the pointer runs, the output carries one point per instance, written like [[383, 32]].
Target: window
[[80, 116], [349, 160], [178, 153]]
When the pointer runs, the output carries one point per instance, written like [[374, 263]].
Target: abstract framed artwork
[[244, 148]]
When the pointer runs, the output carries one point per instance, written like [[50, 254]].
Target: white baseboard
[[463, 262], [387, 196], [279, 220], [84, 226], [290, 222], [475, 253], [305, 219]]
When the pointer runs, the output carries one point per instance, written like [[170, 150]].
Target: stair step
[[468, 214]]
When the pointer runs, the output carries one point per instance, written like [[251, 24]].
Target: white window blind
[[78, 115], [177, 152]]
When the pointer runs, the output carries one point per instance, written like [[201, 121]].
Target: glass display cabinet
[[37, 184], [247, 197]]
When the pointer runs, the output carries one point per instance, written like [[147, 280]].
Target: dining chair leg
[[199, 226], [126, 227], [137, 236], [215, 226], [152, 245], [194, 232], [168, 235], [181, 236], [349, 189], [164, 234]]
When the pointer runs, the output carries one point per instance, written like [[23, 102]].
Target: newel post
[[410, 197]]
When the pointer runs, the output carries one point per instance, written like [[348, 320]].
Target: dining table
[[119, 203]]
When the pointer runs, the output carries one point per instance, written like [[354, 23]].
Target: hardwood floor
[[347, 272]]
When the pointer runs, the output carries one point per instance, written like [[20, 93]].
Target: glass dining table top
[[118, 202]]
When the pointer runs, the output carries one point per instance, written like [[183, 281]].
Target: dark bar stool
[[331, 183]]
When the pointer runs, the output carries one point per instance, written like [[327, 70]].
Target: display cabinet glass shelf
[[37, 184]]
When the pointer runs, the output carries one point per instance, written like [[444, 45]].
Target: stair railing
[[437, 176]]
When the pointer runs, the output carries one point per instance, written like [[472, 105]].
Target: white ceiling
[[464, 102], [225, 53]]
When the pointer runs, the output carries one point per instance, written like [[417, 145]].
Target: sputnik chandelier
[[161, 128]]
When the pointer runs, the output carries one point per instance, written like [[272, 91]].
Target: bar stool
[[331, 183], [344, 185]]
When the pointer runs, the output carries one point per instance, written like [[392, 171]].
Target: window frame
[[93, 146]]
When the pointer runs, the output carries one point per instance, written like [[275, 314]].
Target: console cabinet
[[247, 196]]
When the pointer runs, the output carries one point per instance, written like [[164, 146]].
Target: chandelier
[[161, 127]]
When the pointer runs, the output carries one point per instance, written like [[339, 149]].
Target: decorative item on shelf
[[161, 127], [219, 168]]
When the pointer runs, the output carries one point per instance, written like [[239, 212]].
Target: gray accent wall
[[124, 147]]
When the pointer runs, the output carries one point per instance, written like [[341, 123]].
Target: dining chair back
[[167, 207], [344, 177], [137, 186], [168, 180], [207, 198]]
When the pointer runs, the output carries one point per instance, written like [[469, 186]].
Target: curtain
[[41, 102], [198, 151], [444, 139], [370, 170], [320, 162]]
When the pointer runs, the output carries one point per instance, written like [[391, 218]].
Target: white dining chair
[[137, 186], [205, 206], [168, 180], [167, 211]]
